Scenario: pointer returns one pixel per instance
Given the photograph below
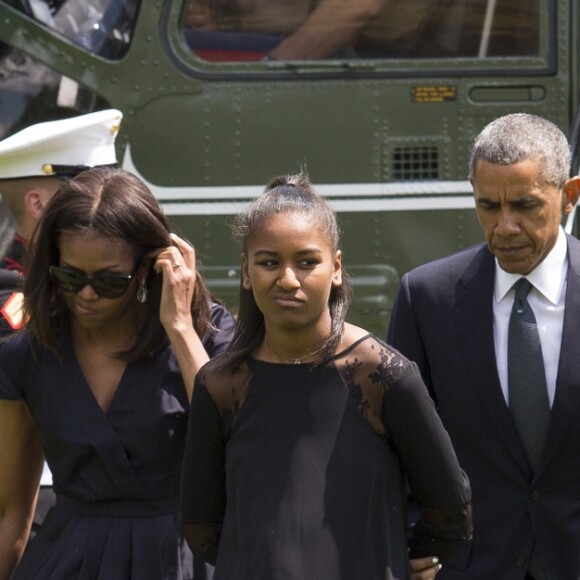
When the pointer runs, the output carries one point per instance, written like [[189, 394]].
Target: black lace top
[[298, 471]]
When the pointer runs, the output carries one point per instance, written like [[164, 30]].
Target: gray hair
[[520, 136]]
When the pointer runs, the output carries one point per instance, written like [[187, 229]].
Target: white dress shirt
[[546, 299]]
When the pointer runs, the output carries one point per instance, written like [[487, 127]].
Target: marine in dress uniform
[[11, 278]]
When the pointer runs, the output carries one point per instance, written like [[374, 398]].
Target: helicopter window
[[253, 30], [101, 26]]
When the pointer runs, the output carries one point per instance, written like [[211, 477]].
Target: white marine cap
[[63, 147]]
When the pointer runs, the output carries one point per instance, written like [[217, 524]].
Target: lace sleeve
[[393, 399], [440, 486]]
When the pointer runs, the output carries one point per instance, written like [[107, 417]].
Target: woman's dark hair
[[116, 204], [283, 195]]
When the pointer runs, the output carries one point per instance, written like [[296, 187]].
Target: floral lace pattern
[[367, 368]]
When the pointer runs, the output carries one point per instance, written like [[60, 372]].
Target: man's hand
[[424, 568]]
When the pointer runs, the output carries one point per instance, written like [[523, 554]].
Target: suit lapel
[[473, 321], [567, 399]]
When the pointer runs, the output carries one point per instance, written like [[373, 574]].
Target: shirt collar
[[548, 276]]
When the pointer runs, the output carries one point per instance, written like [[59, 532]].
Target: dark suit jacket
[[443, 320]]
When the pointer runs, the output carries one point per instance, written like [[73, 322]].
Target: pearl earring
[[142, 292]]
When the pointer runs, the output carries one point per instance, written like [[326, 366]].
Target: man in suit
[[454, 318]]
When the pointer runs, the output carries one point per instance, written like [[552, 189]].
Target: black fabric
[[297, 471], [10, 280], [114, 468], [14, 257], [217, 338]]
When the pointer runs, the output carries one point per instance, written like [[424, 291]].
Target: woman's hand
[[424, 568], [177, 266]]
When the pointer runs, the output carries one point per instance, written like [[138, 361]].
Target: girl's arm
[[438, 483]]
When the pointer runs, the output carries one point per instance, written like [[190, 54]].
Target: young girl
[[302, 433]]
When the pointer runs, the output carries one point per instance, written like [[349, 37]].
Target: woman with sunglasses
[[118, 321]]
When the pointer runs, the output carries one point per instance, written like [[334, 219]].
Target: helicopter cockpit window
[[32, 92], [102, 26], [254, 30]]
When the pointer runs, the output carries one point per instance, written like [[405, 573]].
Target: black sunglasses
[[105, 285]]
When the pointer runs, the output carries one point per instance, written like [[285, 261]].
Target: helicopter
[[219, 96]]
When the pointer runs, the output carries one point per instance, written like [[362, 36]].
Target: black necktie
[[528, 394]]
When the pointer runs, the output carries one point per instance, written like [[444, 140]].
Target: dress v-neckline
[[117, 391]]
